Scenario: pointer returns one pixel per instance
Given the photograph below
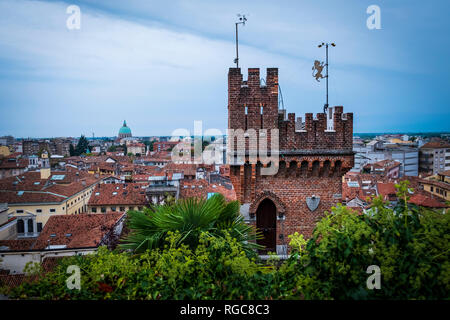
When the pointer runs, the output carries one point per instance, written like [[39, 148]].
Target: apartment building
[[434, 157]]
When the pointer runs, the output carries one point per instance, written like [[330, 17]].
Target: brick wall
[[314, 153]]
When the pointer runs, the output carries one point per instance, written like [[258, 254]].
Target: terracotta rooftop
[[16, 164], [434, 182], [445, 173], [201, 188], [387, 190], [18, 245], [186, 169], [77, 231], [435, 145], [14, 280], [426, 201], [30, 188], [118, 194], [383, 164]]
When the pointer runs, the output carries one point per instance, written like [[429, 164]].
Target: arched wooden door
[[266, 222]]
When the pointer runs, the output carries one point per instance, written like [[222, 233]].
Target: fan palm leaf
[[189, 217]]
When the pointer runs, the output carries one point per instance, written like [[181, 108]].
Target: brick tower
[[313, 156]]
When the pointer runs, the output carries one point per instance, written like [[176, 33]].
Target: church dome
[[125, 131]]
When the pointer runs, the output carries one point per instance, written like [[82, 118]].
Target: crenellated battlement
[[313, 152], [252, 105], [333, 130]]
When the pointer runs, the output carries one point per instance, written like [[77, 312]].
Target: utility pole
[[242, 20]]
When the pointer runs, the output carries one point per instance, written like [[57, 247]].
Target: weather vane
[[318, 67], [242, 20]]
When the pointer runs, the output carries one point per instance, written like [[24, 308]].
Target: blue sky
[[161, 65]]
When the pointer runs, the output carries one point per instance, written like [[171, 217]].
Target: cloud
[[161, 67]]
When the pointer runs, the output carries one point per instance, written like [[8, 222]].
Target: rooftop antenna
[[318, 66], [280, 98], [280, 95], [242, 20]]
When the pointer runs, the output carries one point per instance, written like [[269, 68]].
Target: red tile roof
[[186, 169], [118, 194], [14, 280], [425, 201], [430, 181], [30, 188], [201, 188], [18, 245], [445, 173], [77, 231], [387, 190], [16, 164], [383, 164], [435, 145]]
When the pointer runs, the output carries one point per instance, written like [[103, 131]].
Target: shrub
[[410, 245], [218, 268]]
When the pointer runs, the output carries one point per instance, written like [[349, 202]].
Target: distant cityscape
[[70, 195]]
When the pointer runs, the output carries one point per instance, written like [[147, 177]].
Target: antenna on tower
[[280, 95], [280, 98], [242, 20]]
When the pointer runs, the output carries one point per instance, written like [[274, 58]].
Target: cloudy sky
[[161, 65]]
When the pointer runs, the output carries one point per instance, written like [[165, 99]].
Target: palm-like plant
[[189, 217]]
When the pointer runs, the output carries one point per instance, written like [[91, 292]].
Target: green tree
[[71, 150], [149, 144], [82, 146], [189, 217]]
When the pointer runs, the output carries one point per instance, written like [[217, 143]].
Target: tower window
[[262, 113], [246, 117]]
